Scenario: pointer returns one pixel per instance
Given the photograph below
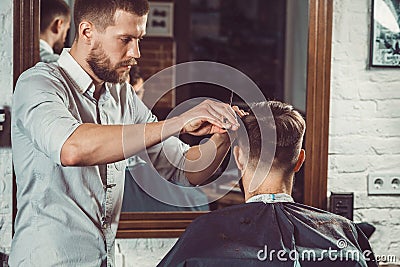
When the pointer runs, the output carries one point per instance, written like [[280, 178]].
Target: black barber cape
[[273, 234]]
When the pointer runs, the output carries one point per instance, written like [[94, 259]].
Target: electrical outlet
[[383, 184]]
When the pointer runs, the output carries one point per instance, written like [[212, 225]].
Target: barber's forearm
[[203, 160], [93, 144]]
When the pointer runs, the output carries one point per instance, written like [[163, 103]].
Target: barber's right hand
[[209, 117]]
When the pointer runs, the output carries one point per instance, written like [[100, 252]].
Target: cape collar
[[270, 198]]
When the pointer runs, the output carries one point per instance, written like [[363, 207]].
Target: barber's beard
[[101, 66]]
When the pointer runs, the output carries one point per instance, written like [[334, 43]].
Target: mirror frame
[[172, 224]]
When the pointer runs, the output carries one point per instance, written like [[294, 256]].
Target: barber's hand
[[209, 117], [240, 112], [232, 135]]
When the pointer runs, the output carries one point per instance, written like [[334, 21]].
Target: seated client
[[270, 229]]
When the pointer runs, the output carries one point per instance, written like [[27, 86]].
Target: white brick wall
[[144, 252], [6, 56], [364, 124], [5, 200], [364, 132], [6, 21]]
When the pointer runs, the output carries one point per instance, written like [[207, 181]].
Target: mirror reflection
[[266, 40]]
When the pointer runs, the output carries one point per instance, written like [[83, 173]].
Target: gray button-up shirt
[[68, 216]]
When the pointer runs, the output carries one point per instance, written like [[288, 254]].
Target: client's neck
[[274, 183], [48, 39]]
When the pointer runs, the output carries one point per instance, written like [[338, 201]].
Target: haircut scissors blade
[[231, 99]]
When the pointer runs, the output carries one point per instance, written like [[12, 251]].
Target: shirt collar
[[78, 75], [271, 198], [44, 45]]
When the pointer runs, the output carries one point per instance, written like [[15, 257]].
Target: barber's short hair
[[49, 10], [101, 12], [289, 126]]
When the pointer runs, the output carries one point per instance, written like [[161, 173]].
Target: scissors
[[231, 99], [230, 104]]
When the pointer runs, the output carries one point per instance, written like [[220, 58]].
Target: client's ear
[[238, 155], [55, 25], [300, 160]]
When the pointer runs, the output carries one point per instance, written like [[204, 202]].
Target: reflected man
[[55, 21]]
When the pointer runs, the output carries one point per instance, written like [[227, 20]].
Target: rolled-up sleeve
[[41, 113]]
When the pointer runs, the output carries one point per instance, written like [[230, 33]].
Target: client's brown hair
[[289, 126], [49, 10]]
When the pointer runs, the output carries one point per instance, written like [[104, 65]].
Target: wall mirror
[[316, 81]]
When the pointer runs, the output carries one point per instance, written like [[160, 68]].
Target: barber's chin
[[125, 68], [122, 71], [124, 77]]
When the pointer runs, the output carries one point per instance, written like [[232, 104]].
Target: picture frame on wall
[[160, 21], [385, 33]]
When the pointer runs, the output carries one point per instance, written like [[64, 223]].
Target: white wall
[[364, 124], [6, 22], [143, 252], [364, 132]]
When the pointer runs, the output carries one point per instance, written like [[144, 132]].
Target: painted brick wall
[[143, 252], [364, 132], [364, 124], [6, 21]]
